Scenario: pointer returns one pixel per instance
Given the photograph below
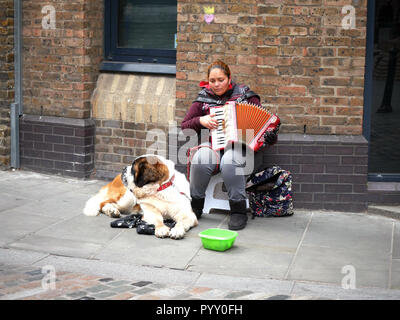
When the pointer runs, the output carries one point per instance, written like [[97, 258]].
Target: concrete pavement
[[310, 255]]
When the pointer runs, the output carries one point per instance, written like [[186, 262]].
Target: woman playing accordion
[[218, 91]]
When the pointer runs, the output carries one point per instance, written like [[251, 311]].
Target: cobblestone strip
[[29, 283]]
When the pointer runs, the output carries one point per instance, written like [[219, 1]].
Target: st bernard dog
[[150, 185]]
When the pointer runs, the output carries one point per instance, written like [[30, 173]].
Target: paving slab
[[9, 201], [38, 191], [130, 247], [133, 248], [334, 241], [21, 257], [242, 259], [61, 210], [354, 230], [245, 282], [56, 246], [333, 264], [265, 248], [83, 228], [16, 225], [395, 274], [79, 236]]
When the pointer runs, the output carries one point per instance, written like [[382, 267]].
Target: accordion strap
[[247, 95], [239, 94], [205, 97], [190, 154]]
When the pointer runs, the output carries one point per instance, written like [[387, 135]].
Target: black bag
[[270, 193]]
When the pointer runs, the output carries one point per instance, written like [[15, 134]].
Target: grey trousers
[[234, 167]]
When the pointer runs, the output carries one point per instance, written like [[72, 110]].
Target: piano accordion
[[241, 122]]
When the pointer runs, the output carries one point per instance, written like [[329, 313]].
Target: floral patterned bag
[[270, 193]]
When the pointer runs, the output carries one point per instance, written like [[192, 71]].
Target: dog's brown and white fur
[[151, 184]]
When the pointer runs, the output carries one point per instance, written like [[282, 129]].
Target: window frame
[[113, 53]]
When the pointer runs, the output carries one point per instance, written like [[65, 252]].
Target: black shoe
[[130, 221], [197, 206], [144, 228], [238, 219]]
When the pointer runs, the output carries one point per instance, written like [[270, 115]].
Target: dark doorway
[[384, 135]]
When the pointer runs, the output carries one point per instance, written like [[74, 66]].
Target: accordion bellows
[[241, 122]]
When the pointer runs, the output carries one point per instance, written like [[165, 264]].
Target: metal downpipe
[[17, 106]]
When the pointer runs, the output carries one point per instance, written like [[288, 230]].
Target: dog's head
[[147, 169]]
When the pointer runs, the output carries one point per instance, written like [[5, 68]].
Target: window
[[141, 31]]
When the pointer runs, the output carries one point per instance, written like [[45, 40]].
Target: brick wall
[[61, 64], [6, 76], [307, 68], [295, 54], [60, 69]]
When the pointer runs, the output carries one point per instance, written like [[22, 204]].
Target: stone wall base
[[57, 145], [387, 193], [329, 172]]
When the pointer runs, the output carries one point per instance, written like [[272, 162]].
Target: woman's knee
[[204, 156], [203, 163], [242, 162]]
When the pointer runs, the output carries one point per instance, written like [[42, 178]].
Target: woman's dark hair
[[219, 65]]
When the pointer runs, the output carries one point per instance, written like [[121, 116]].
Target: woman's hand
[[209, 122]]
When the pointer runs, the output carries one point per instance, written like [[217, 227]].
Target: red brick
[[76, 42], [292, 90]]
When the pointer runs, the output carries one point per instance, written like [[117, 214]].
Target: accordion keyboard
[[217, 135]]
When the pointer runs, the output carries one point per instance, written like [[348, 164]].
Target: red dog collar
[[167, 184]]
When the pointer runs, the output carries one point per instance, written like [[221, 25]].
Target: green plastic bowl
[[218, 239]]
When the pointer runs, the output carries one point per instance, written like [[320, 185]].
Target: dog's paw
[[162, 232], [177, 233], [111, 211]]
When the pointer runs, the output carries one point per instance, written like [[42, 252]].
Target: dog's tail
[[92, 207]]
